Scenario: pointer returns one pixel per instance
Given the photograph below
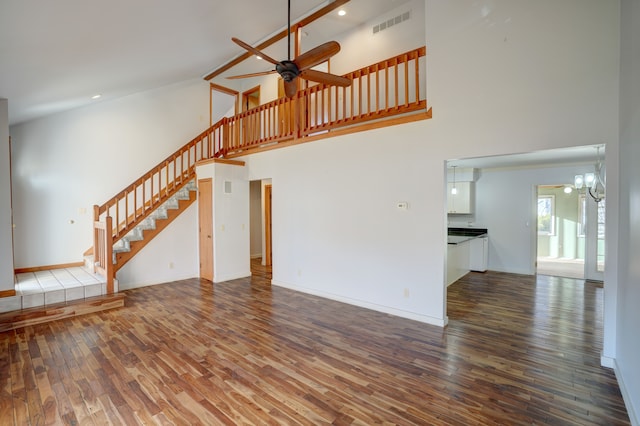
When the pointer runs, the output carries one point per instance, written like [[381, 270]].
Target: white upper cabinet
[[462, 202]]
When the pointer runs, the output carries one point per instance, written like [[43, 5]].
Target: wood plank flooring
[[516, 351]]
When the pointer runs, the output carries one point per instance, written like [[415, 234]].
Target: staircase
[[383, 94], [132, 242]]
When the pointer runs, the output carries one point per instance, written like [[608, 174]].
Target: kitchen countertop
[[461, 235], [459, 239]]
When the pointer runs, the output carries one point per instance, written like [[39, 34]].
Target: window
[[546, 214], [582, 215]]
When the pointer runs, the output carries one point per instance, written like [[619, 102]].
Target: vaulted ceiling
[[55, 55]]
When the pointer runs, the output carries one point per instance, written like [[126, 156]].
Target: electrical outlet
[[406, 292], [170, 265]]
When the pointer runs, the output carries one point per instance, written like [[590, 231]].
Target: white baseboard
[[363, 304], [606, 361], [628, 401]]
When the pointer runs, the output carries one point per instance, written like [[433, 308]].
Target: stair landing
[[44, 288], [50, 295]]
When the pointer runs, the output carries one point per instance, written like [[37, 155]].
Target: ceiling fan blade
[[254, 50], [317, 55], [253, 74], [325, 78], [290, 88]]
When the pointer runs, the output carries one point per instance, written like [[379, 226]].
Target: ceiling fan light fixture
[[300, 66]]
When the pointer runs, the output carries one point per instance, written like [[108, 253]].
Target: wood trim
[[32, 316], [223, 89], [48, 267], [268, 209], [226, 91], [7, 293], [221, 161], [205, 228], [277, 37]]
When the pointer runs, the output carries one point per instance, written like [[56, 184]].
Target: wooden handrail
[[389, 88], [134, 203], [103, 250]]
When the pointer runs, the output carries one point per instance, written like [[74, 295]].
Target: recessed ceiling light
[[342, 12], [258, 57], [98, 96]]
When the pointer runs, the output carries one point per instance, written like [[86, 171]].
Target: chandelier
[[593, 183]]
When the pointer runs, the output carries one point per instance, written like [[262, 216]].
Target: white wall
[[231, 235], [505, 205], [172, 255], [337, 231], [6, 256], [498, 86], [628, 344], [63, 164]]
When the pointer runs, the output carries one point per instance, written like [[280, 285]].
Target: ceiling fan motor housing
[[288, 70]]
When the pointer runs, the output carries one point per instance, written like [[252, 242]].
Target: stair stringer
[[135, 246]]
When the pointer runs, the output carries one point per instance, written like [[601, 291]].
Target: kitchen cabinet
[[463, 201], [457, 261], [479, 254]]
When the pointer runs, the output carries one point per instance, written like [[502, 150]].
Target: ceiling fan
[[301, 66]]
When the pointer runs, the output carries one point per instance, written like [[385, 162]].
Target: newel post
[[96, 237]]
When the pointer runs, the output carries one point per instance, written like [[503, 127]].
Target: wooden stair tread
[[41, 314]]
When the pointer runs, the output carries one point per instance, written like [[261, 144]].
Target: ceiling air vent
[[391, 22]]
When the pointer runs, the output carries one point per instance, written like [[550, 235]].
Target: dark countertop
[[461, 235]]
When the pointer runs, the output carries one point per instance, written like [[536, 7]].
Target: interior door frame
[[268, 245], [205, 206]]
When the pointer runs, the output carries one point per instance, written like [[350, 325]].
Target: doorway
[[251, 124], [561, 232], [260, 213], [571, 233]]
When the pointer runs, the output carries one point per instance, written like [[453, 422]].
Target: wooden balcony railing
[[389, 88]]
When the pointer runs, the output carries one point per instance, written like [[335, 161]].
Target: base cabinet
[[479, 254], [457, 261]]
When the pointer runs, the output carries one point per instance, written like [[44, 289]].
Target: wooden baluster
[[117, 205], [360, 93], [386, 85], [417, 76], [396, 82], [108, 255], [406, 79], [167, 166], [368, 92], [378, 87], [126, 208]]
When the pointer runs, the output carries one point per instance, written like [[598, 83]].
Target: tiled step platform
[[53, 294]]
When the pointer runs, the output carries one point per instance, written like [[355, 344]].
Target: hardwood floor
[[516, 351]]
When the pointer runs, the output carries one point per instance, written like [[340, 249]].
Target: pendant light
[[454, 190]]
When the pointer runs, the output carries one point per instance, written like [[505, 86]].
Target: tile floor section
[[42, 288]]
